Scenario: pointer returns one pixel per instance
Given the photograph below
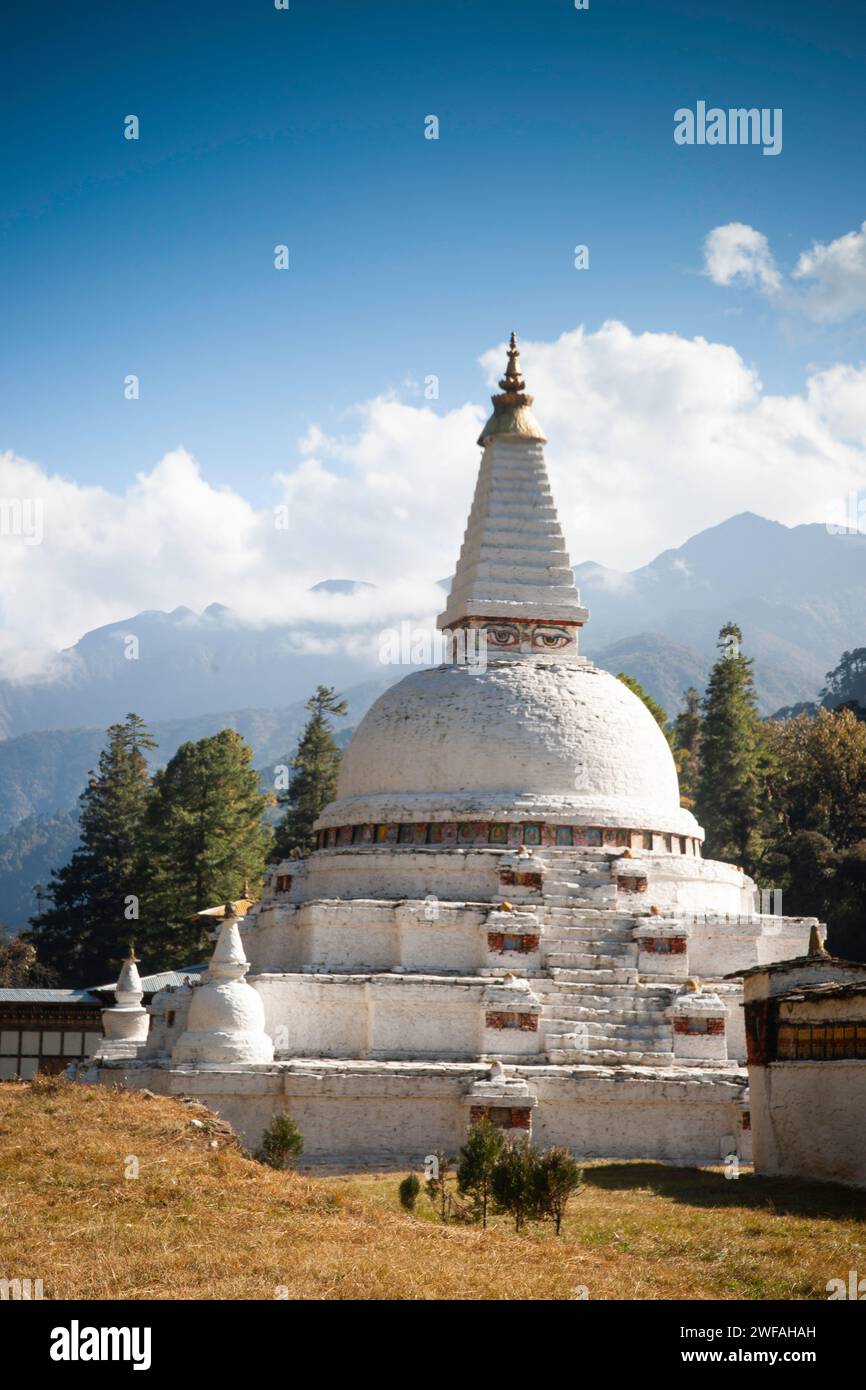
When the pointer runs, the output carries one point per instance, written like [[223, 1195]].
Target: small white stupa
[[126, 1023], [226, 1016]]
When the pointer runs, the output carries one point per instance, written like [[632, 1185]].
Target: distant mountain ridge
[[798, 593], [43, 773], [185, 665]]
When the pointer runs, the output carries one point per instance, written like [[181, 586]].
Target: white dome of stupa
[[533, 738]]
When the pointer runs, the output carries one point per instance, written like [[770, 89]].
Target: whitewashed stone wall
[[388, 1016], [632, 1115], [809, 1120], [731, 994], [458, 874], [420, 935], [720, 945], [398, 1113]]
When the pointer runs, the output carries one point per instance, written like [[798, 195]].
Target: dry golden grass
[[205, 1222]]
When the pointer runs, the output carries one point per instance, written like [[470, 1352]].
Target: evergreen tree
[[655, 709], [83, 930], [514, 1183], [478, 1158], [730, 800], [439, 1173], [817, 853], [409, 1191], [557, 1179], [846, 683], [687, 745], [205, 836], [282, 1142], [314, 775]]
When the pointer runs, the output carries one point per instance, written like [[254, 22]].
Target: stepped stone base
[[389, 1013]]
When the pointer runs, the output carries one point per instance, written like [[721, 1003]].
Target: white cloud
[[652, 438], [839, 397], [737, 251], [839, 274], [837, 271]]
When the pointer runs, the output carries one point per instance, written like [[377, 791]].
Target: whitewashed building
[[507, 912], [806, 1031]]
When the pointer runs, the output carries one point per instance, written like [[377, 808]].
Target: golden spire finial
[[132, 956], [512, 383], [512, 409]]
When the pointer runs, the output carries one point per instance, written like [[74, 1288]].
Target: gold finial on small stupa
[[229, 910], [816, 945], [132, 956]]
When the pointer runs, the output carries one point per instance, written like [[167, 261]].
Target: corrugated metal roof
[[162, 980], [48, 996]]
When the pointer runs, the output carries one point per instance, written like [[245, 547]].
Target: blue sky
[[408, 256], [710, 361]]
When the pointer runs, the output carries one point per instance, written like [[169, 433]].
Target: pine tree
[[409, 1191], [557, 1179], [730, 801], [282, 1142], [439, 1173], [83, 931], [514, 1182], [687, 745], [478, 1158], [846, 683], [817, 852], [314, 776], [205, 837]]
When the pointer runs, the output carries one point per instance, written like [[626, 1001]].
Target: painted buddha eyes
[[550, 637], [503, 636], [545, 637]]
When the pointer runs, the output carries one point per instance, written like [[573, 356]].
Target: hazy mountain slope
[[187, 665], [798, 593], [46, 772], [28, 853], [664, 668]]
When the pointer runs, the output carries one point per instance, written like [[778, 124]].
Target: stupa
[[507, 911]]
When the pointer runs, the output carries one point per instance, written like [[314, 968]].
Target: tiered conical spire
[[513, 564]]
